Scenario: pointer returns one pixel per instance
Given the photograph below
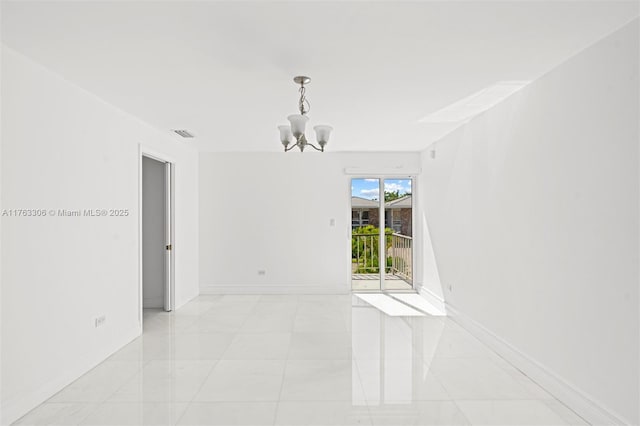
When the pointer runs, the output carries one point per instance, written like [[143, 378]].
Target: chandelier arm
[[315, 147], [289, 148]]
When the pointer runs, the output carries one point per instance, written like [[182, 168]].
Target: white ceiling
[[224, 70]]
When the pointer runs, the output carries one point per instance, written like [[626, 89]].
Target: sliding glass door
[[365, 234], [398, 214], [381, 234]]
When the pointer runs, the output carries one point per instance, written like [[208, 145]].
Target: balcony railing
[[398, 250], [401, 253]]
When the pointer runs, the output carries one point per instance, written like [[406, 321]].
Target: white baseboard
[[584, 405], [19, 405], [274, 289], [433, 299]]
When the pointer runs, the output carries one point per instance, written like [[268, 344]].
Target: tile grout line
[[215, 363], [286, 363]]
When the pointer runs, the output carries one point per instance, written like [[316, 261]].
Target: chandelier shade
[[294, 133], [298, 123], [322, 133], [286, 137]]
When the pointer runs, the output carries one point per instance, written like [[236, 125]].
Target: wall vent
[[183, 133]]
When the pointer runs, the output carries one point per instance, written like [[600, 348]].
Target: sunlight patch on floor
[[389, 306], [418, 302]]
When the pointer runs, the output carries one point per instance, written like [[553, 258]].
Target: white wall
[[63, 148], [153, 233], [272, 212], [533, 211]]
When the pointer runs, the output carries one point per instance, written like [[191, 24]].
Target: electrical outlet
[[100, 321], [262, 272]]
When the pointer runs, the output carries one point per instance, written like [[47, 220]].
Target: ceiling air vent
[[184, 133]]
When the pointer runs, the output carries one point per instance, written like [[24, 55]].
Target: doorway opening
[[156, 234], [381, 234]]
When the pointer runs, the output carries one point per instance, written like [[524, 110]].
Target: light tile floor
[[300, 360]]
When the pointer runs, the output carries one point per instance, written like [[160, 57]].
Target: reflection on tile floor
[[300, 360]]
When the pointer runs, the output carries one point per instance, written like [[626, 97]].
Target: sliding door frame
[[382, 260]]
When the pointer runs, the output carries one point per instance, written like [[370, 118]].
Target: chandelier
[[295, 131]]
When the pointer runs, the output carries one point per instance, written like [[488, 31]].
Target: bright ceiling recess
[[475, 104], [298, 122]]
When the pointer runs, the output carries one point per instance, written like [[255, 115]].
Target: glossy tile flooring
[[300, 360]]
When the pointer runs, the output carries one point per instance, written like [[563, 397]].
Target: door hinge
[[168, 247]]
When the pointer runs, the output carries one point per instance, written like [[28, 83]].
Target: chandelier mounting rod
[[302, 80]]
